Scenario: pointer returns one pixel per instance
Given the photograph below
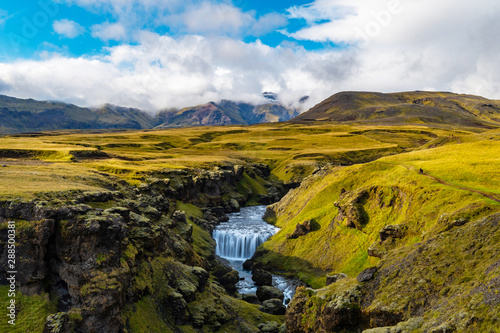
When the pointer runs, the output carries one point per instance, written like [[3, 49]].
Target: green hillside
[[432, 269]]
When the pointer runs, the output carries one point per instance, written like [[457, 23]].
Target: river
[[238, 238]]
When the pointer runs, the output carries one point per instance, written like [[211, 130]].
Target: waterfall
[[238, 245], [239, 238]]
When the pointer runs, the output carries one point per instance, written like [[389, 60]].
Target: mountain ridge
[[29, 115], [415, 107], [227, 113]]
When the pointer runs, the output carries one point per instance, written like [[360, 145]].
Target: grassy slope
[[418, 201], [292, 151]]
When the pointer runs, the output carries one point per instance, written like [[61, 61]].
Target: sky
[[156, 54]]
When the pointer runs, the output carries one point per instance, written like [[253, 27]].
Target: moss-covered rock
[[268, 292], [273, 306]]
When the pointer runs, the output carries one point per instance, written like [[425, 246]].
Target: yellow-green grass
[[26, 180], [292, 151], [422, 202], [474, 165]]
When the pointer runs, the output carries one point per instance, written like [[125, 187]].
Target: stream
[[238, 238]]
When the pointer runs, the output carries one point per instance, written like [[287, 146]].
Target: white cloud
[[445, 45], [322, 10], [68, 28], [215, 18], [163, 72], [267, 23], [109, 31], [410, 44], [206, 17]]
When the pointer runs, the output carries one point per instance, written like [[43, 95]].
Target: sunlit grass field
[[76, 160]]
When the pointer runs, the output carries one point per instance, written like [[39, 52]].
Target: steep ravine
[[134, 259]]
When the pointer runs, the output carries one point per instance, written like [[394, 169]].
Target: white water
[[237, 240]]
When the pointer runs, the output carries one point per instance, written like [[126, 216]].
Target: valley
[[388, 207]]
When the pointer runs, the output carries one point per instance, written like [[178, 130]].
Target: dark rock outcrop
[[301, 229], [229, 281], [339, 312], [250, 298], [392, 231], [351, 211], [262, 277], [98, 261], [367, 274]]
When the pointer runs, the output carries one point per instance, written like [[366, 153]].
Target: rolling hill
[[412, 108]]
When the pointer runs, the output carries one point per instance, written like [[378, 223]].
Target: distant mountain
[[28, 115], [226, 113], [416, 107], [122, 117]]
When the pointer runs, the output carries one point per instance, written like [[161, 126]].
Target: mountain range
[[28, 115], [370, 108]]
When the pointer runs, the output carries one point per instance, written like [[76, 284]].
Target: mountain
[[438, 108], [28, 115], [123, 117], [226, 113]]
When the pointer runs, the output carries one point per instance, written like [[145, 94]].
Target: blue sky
[[156, 54], [33, 26]]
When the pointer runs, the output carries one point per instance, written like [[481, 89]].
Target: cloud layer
[[382, 46]]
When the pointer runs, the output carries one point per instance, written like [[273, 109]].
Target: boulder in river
[[262, 277], [267, 292], [273, 306]]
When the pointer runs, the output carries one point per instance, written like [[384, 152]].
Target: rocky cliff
[[136, 259]]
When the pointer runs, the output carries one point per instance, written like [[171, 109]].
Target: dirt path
[[486, 194]]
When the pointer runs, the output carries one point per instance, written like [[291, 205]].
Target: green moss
[[101, 205], [190, 209], [33, 311], [144, 317], [203, 243], [130, 252]]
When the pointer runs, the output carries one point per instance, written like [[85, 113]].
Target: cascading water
[[238, 238]]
